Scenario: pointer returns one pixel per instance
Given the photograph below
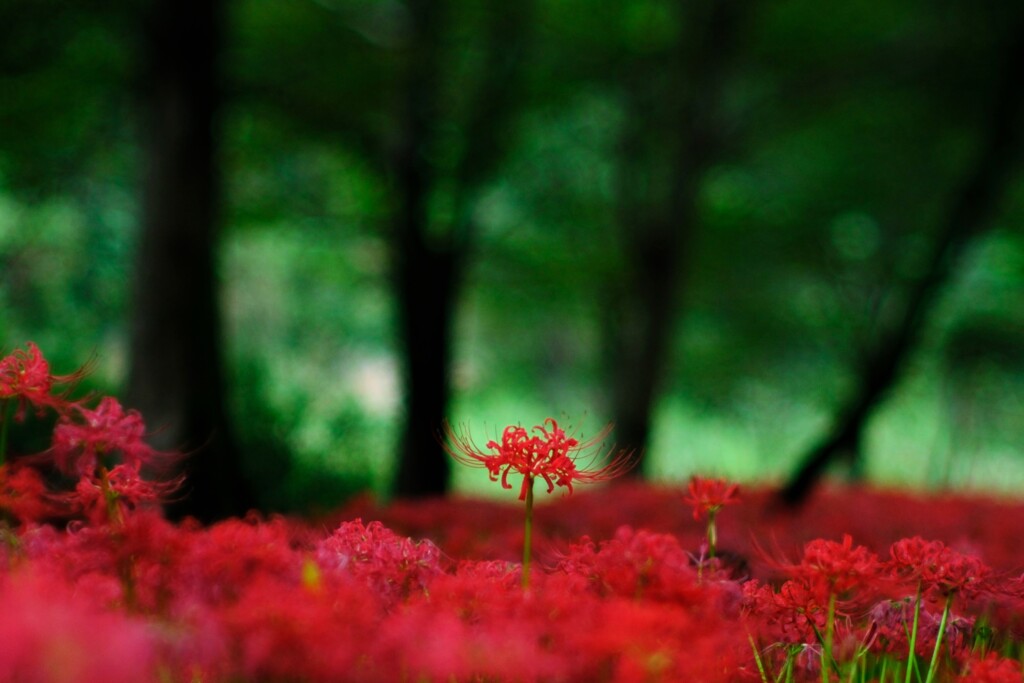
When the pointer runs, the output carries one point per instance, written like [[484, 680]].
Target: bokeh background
[[300, 235]]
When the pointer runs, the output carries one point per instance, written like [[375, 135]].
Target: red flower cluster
[[635, 564], [125, 595], [392, 566], [264, 600], [103, 447], [835, 580], [785, 604]]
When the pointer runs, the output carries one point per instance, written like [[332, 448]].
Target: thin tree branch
[[969, 217]]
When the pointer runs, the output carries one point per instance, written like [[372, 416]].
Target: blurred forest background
[[768, 239]]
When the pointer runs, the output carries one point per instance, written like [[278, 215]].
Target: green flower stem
[[528, 532], [788, 669], [757, 658], [114, 516], [125, 563], [712, 533], [826, 648], [934, 665], [912, 655]]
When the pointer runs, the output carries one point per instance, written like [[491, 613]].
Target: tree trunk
[[429, 258], [424, 270], [657, 230], [969, 216], [176, 375]]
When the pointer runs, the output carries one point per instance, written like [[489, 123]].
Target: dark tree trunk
[[658, 230], [427, 292], [176, 375], [425, 270], [969, 216], [428, 258]]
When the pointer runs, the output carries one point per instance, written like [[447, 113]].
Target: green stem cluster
[[862, 667]]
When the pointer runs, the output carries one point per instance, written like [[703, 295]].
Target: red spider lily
[[23, 494], [105, 448], [393, 566], [838, 567], [708, 496], [940, 571], [827, 574], [793, 614], [84, 437], [550, 454], [122, 489], [637, 564], [25, 376]]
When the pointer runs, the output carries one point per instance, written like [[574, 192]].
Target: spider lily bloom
[[838, 568], [832, 571], [25, 376], [708, 496], [111, 494], [23, 495], [25, 379], [939, 572], [549, 454], [104, 447], [84, 438]]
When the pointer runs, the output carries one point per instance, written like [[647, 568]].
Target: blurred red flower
[[992, 669], [23, 494], [708, 496], [25, 376], [83, 437]]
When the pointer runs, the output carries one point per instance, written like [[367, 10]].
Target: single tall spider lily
[[549, 454], [707, 497]]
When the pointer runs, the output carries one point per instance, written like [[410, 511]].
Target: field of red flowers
[[625, 582]]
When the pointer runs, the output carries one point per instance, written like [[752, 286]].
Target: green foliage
[[847, 132], [293, 470]]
